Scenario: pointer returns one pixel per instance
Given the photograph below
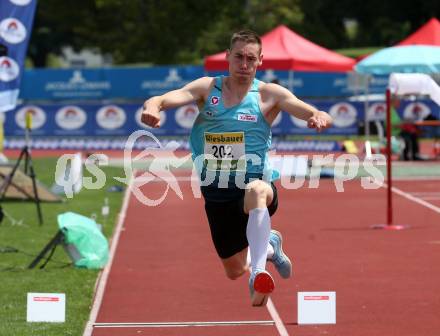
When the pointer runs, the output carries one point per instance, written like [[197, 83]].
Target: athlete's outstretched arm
[[288, 102], [192, 92]]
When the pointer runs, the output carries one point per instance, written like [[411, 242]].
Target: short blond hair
[[247, 36]]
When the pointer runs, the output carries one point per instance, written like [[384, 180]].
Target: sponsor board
[[186, 115], [12, 30], [416, 111], [21, 2], [38, 117], [110, 117], [343, 114], [9, 69], [77, 85], [377, 111], [70, 117], [82, 119]]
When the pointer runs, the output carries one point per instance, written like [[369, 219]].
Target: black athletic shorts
[[228, 221]]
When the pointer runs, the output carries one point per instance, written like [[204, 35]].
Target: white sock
[[257, 232], [270, 253]]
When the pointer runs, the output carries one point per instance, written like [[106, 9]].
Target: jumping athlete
[[230, 140]]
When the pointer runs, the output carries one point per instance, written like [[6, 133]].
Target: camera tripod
[[25, 155]]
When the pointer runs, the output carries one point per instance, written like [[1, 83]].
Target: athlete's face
[[244, 58]]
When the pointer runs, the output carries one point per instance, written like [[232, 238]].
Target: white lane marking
[[179, 324], [415, 178], [102, 279], [414, 198], [425, 193], [276, 317], [431, 198]]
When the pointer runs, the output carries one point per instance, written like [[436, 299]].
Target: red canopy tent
[[428, 34], [285, 50]]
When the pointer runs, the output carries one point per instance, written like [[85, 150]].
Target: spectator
[[407, 130]]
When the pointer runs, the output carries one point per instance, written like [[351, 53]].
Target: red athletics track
[[386, 282]]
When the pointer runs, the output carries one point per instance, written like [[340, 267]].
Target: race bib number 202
[[225, 151]]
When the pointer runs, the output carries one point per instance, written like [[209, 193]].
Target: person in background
[[407, 130]]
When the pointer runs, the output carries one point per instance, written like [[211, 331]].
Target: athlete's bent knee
[[235, 273], [258, 195], [256, 192]]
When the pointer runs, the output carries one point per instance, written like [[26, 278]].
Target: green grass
[[57, 277]]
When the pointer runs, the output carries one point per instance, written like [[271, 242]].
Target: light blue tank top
[[231, 141]]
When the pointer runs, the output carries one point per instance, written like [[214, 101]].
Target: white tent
[[414, 83]]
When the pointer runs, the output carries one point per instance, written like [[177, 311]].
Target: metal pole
[[388, 152]]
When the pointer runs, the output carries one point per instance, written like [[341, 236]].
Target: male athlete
[[230, 140]]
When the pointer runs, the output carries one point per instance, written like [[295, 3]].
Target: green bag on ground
[[83, 240]]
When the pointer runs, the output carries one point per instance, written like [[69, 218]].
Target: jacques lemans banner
[[89, 119], [16, 17], [141, 83]]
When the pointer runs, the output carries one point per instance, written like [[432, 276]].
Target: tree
[[135, 31], [178, 32], [388, 22], [58, 24], [152, 31], [266, 15], [324, 22]]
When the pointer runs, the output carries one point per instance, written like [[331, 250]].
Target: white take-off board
[[316, 307], [46, 307]]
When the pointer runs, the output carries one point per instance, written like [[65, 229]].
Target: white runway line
[[414, 198], [416, 178], [102, 281], [282, 331], [425, 193], [276, 317], [180, 324]]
